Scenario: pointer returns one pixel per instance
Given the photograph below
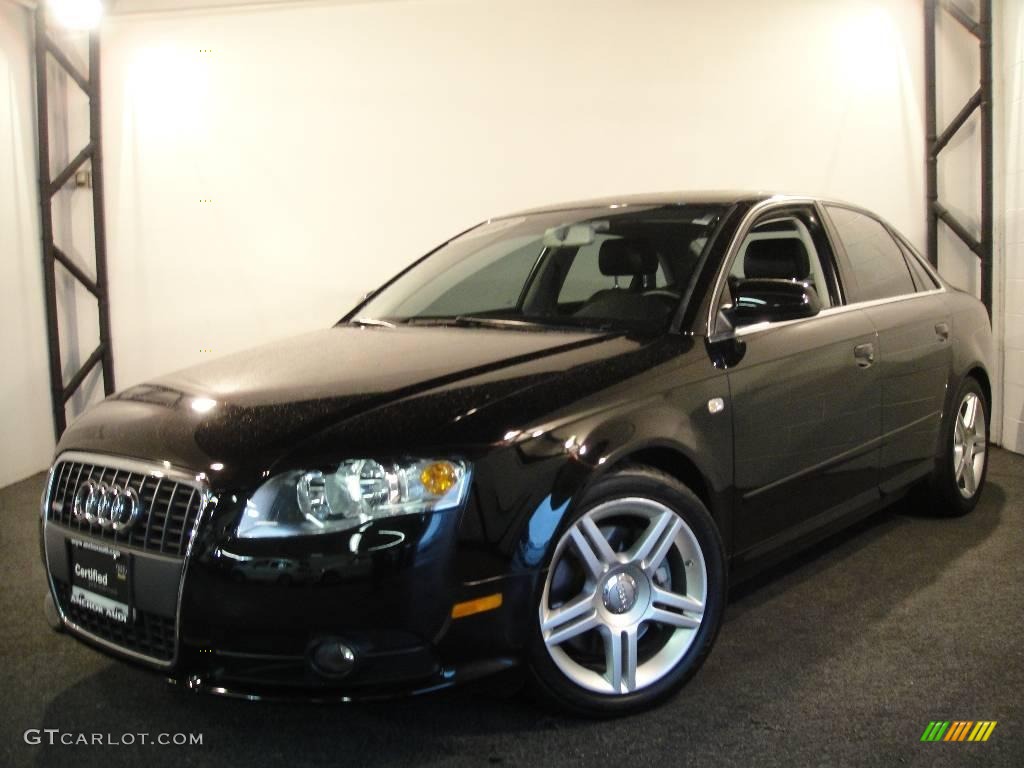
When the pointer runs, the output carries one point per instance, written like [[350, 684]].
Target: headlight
[[302, 502]]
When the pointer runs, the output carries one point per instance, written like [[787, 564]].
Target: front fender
[[675, 431]]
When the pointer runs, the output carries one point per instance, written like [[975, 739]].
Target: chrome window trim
[[927, 265], [154, 469], [776, 201], [912, 253], [745, 330], [782, 201]]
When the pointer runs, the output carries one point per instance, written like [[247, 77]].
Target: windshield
[[602, 268]]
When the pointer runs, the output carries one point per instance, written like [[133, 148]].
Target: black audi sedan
[[553, 441]]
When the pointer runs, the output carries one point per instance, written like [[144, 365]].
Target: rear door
[[804, 395], [906, 307]]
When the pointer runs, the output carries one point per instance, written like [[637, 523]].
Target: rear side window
[[923, 281], [878, 267]]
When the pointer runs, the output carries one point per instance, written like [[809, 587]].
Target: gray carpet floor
[[839, 656]]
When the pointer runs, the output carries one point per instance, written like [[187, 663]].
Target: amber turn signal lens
[[439, 477], [481, 604]]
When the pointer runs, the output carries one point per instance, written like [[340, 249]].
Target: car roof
[[688, 197]]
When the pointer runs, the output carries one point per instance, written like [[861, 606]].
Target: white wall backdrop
[[267, 166], [1009, 66], [26, 429]]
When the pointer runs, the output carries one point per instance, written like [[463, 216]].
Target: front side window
[[878, 269], [781, 247], [598, 268], [784, 245]]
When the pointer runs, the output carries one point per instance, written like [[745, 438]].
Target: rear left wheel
[[959, 477], [633, 597]]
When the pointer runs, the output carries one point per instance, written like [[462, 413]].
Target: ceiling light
[[203, 404], [76, 14]]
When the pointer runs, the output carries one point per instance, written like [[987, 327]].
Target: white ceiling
[[122, 7], [126, 7]]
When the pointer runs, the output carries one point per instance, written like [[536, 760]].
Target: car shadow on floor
[[784, 624], [933, 538]]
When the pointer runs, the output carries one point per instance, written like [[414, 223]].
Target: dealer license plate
[[101, 580]]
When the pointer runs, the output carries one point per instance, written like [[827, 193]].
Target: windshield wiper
[[496, 322], [499, 322], [371, 322], [524, 324], [468, 321]]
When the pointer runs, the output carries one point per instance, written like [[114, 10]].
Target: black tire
[[636, 481], [942, 496]]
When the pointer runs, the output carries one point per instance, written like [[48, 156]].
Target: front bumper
[[246, 617]]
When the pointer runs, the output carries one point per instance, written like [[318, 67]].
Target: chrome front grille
[[148, 634], [169, 507], [167, 504]]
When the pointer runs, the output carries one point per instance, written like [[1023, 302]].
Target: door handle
[[864, 354], [942, 331]]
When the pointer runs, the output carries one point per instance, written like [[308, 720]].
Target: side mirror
[[763, 300]]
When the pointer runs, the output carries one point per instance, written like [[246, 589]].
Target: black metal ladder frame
[[45, 48], [936, 142]]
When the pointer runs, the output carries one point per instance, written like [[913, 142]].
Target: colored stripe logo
[[958, 730]]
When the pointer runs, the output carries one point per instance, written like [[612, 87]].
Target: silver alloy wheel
[[624, 594], [969, 442]]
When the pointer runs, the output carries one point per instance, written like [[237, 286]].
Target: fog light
[[332, 658]]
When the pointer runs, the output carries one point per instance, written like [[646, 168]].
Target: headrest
[[626, 256], [777, 258]]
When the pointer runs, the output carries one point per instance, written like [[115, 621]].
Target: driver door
[[805, 394]]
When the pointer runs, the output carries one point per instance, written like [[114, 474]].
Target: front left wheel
[[633, 597]]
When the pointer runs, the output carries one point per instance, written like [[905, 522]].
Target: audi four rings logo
[[107, 505]]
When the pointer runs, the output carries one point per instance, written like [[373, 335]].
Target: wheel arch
[[975, 370], [685, 442], [674, 462], [979, 373]]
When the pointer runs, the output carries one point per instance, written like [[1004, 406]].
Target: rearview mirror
[[573, 235], [763, 300]]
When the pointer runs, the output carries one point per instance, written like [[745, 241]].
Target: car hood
[[237, 417]]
